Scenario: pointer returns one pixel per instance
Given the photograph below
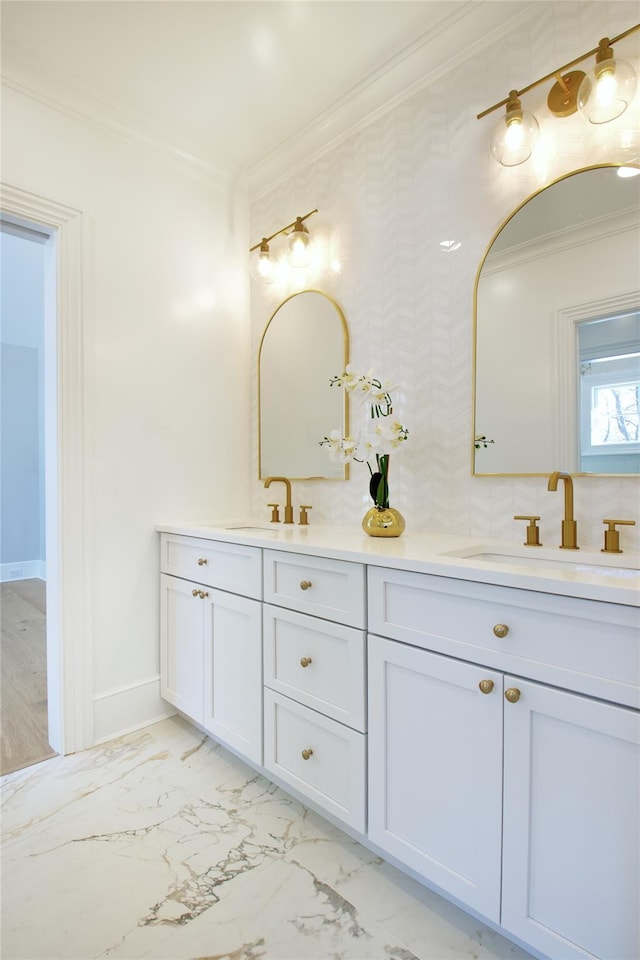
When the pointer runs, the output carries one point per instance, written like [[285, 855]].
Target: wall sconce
[[607, 89], [601, 95], [515, 134], [299, 249]]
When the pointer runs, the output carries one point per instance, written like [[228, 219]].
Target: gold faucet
[[288, 510], [569, 525]]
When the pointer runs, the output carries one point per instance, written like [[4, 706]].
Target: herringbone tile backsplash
[[416, 175]]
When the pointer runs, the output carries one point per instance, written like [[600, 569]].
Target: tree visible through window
[[615, 413]]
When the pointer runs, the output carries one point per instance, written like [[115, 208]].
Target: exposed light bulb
[[515, 133], [265, 266], [300, 246], [606, 88], [262, 266]]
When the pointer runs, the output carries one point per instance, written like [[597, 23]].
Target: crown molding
[[469, 29], [26, 75], [595, 230]]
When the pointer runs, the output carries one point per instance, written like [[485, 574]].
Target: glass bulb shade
[[606, 91], [262, 266], [514, 137], [300, 248]]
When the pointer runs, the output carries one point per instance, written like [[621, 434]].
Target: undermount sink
[[603, 566], [260, 528]]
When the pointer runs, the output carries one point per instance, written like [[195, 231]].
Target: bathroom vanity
[[470, 710]]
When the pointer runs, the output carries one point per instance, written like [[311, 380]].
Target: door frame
[[69, 595]]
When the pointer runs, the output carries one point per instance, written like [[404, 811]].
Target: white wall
[[166, 372], [417, 175]]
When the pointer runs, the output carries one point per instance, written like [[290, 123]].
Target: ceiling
[[233, 84]]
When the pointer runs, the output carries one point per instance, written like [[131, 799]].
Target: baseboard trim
[[128, 708], [23, 570]]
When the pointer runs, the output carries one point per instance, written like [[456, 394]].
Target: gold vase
[[383, 522]]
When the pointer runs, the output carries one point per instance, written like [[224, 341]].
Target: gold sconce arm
[[289, 226], [558, 72]]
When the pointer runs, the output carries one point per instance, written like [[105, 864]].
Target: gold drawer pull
[[202, 594], [486, 686], [195, 593], [307, 753], [305, 661], [512, 694], [202, 561], [501, 630], [305, 584]]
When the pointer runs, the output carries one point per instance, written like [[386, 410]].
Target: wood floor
[[23, 675]]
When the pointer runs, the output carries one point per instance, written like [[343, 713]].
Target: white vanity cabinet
[[571, 822], [211, 638], [521, 799], [314, 675], [435, 769]]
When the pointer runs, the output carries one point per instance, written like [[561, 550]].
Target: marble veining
[[161, 844]]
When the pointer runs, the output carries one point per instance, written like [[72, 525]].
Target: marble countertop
[[585, 573]]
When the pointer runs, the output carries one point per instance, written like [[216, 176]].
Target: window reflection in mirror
[[564, 265], [609, 394]]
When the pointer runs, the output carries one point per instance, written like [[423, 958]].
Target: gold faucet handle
[[533, 530], [275, 512], [304, 519], [612, 536]]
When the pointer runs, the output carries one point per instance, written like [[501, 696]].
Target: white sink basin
[[240, 525], [603, 565]]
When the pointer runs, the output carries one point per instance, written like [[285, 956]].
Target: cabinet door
[[181, 618], [571, 824], [233, 672], [435, 769]]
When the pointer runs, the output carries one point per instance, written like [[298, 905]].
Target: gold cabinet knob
[[305, 661], [512, 694], [486, 686], [305, 584], [307, 753], [202, 561], [501, 630], [195, 593], [202, 594]]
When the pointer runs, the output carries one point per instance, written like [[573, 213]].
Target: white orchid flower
[[382, 432], [341, 449]]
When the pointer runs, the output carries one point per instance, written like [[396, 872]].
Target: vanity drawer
[[582, 645], [317, 663], [227, 566], [333, 589], [333, 774]]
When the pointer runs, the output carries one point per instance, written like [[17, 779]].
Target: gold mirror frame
[[327, 427], [566, 176]]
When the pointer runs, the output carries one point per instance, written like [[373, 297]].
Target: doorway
[[27, 399]]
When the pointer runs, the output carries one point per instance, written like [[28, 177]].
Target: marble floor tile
[[163, 845]]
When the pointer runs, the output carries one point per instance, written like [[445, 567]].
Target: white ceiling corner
[[226, 88]]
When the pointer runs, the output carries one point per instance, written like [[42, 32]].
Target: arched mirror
[[557, 332], [304, 345]]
